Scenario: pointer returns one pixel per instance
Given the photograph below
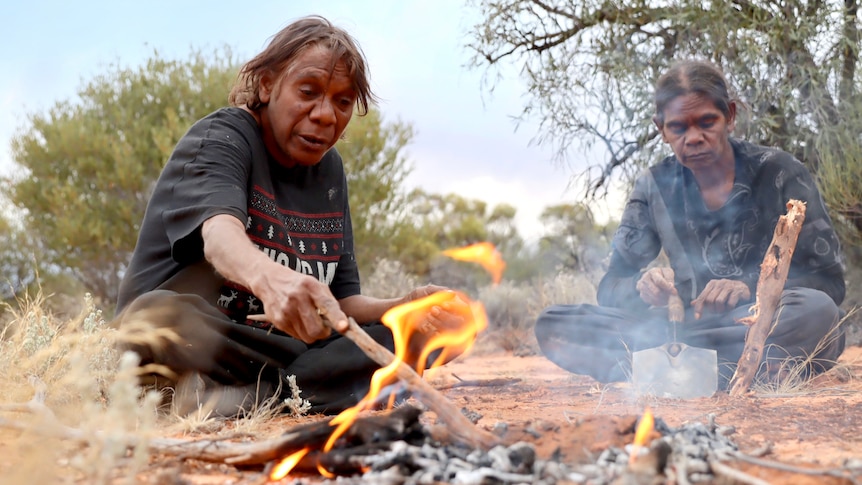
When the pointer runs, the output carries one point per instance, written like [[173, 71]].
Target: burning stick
[[459, 426], [773, 275]]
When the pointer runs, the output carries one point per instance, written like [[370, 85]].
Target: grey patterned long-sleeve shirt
[[666, 211]]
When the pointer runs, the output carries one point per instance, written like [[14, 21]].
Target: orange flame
[[483, 253], [457, 323], [467, 320], [644, 429], [287, 464], [464, 320]]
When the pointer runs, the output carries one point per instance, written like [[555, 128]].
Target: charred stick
[[770, 285], [389, 426]]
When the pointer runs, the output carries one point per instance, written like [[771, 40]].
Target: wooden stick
[[461, 428], [732, 474], [675, 309], [502, 381], [770, 285]]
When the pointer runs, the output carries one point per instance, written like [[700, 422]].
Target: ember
[[689, 454]]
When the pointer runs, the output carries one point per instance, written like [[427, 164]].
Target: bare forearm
[[366, 309], [230, 252]]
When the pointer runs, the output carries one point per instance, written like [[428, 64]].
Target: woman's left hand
[[422, 292], [446, 316]]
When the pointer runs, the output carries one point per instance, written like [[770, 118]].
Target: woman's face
[[697, 131], [306, 108]]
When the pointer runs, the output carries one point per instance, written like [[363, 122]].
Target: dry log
[[389, 426], [770, 285]]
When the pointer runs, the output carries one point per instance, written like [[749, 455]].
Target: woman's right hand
[[297, 303], [656, 286]]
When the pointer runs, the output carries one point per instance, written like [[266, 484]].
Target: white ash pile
[[681, 455]]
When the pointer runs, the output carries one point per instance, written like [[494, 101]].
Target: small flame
[[287, 464], [483, 253], [644, 429]]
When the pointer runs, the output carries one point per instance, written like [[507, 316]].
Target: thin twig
[[844, 472], [503, 381], [720, 469], [764, 450]]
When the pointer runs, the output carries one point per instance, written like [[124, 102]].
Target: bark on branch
[[770, 285]]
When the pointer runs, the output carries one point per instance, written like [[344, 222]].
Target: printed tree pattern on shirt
[[307, 243]]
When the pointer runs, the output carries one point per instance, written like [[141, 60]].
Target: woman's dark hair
[[692, 77], [286, 45]]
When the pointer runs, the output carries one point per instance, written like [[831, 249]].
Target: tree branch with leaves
[[590, 67]]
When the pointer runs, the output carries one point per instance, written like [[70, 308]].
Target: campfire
[[406, 321], [396, 447], [433, 440]]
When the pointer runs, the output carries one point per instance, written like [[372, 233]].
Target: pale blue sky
[[466, 141]]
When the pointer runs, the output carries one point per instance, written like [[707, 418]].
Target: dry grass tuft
[[57, 375], [388, 280], [793, 376], [512, 309]]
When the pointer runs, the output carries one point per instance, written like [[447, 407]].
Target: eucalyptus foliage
[[376, 165], [444, 221], [85, 168], [574, 241], [590, 67]]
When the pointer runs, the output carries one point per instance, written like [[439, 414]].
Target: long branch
[[770, 284], [459, 426]]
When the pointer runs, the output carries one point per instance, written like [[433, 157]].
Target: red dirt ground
[[819, 427]]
